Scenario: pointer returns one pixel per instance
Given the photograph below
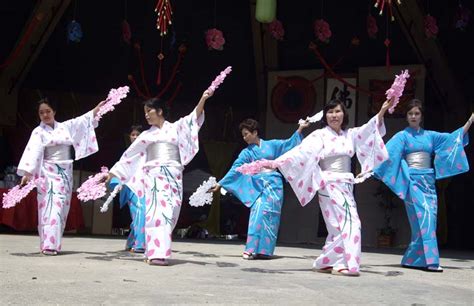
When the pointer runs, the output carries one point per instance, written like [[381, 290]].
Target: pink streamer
[[219, 79], [94, 187], [258, 166], [396, 90], [115, 97], [18, 193]]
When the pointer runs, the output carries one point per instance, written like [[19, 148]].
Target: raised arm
[[385, 106], [200, 106], [468, 124]]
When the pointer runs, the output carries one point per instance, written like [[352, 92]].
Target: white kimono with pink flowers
[[160, 180], [54, 195], [301, 168]]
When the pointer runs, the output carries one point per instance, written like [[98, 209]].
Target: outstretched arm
[[468, 124], [385, 106], [202, 102]]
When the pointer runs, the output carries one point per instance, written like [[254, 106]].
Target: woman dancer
[[263, 192], [136, 238], [409, 173], [48, 156], [322, 163], [153, 167]]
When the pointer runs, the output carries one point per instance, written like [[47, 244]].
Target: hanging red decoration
[[372, 28], [431, 28], [164, 11], [215, 39], [322, 30], [463, 14], [382, 4], [276, 29], [126, 31]]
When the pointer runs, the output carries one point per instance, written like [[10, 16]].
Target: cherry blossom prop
[[396, 90], [322, 30], [202, 196], [258, 166], [431, 28], [276, 29], [219, 79], [94, 187], [313, 119], [115, 97], [112, 195], [215, 39], [18, 193]]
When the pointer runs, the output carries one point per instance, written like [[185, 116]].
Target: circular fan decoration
[[293, 98]]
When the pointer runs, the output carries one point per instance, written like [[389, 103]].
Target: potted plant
[[388, 201]]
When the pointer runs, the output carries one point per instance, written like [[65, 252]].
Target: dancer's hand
[[207, 94], [216, 188], [25, 180], [98, 106], [303, 125]]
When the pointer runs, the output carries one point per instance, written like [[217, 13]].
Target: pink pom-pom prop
[[258, 166], [396, 90], [219, 79], [115, 97], [94, 187], [18, 193]]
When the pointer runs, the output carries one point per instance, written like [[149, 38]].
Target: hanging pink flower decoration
[[94, 187], [463, 14], [431, 29], [219, 79], [396, 90], [372, 28], [215, 39], [258, 166], [322, 30], [18, 193], [115, 97], [126, 32], [276, 29]]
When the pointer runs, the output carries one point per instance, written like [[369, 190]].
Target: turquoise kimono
[[136, 238], [262, 193], [416, 187]]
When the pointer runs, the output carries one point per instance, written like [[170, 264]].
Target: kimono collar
[[47, 127], [257, 145], [154, 127], [341, 132], [414, 131]]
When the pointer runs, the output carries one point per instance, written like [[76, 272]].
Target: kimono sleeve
[[239, 184], [284, 145], [300, 167], [32, 157], [132, 159], [394, 172], [369, 144], [188, 142], [450, 157], [81, 130]]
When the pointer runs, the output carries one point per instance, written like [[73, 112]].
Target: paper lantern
[[265, 10]]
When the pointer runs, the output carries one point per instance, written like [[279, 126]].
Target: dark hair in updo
[[137, 128], [250, 124], [333, 104], [415, 103], [157, 104], [47, 102]]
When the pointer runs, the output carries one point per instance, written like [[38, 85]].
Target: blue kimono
[[416, 186], [262, 193], [136, 238]]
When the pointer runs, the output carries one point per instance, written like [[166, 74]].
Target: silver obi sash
[[164, 151], [338, 163], [57, 153], [419, 160]]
